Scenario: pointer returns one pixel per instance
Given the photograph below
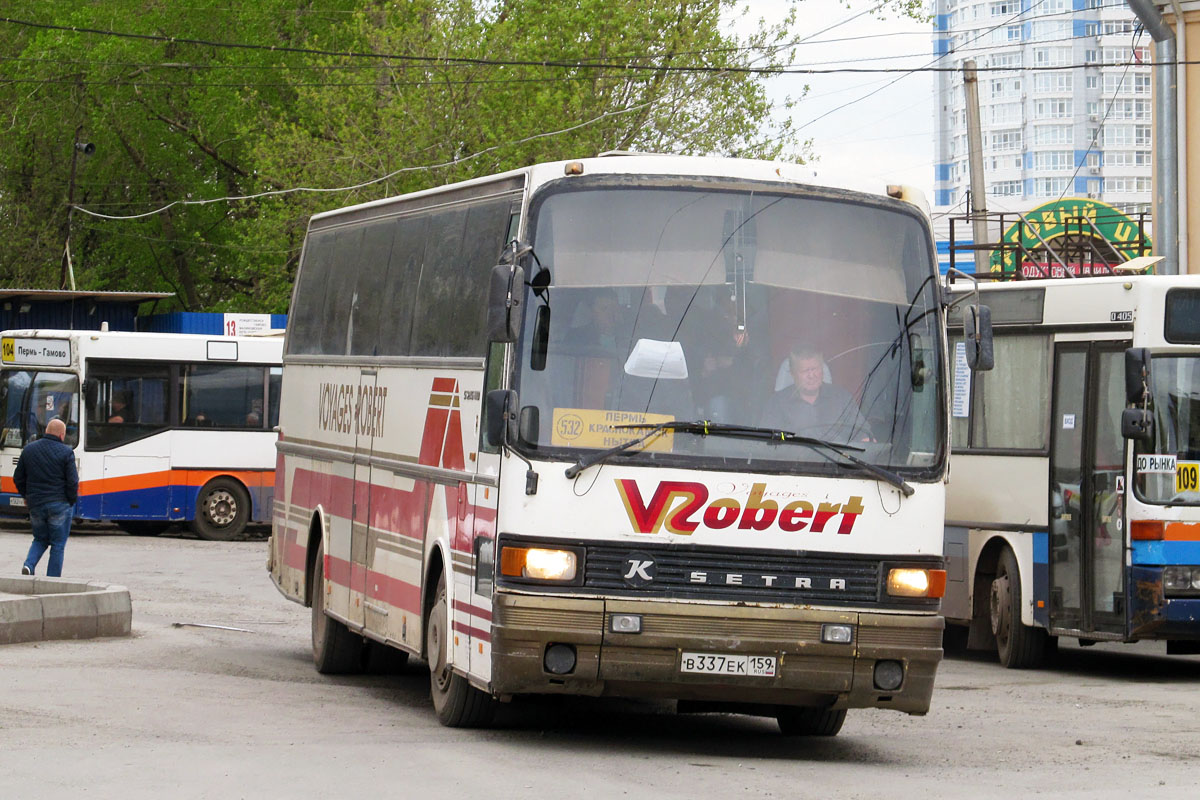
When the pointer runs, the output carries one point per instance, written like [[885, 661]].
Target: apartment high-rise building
[[1079, 131]]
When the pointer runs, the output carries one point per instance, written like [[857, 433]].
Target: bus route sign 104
[[39, 352]]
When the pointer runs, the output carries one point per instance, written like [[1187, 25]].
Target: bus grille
[[720, 574]]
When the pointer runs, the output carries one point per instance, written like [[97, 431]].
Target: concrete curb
[[55, 608]]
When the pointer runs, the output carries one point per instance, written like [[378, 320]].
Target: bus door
[[363, 610], [1087, 530]]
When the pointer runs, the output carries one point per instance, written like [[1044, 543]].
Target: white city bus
[[166, 427], [1056, 523], [558, 475]]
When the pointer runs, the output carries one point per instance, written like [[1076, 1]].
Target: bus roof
[[148, 346], [781, 172]]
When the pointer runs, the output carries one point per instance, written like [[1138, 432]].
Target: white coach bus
[[166, 427], [1073, 507], [587, 470]]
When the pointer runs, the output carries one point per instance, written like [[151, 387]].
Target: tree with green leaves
[[191, 104]]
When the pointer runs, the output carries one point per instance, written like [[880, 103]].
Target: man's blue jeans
[[51, 527]]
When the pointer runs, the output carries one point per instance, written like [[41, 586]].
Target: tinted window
[[368, 293], [221, 396], [437, 313], [307, 312], [131, 402], [54, 394], [339, 294], [274, 386], [400, 292], [1183, 316]]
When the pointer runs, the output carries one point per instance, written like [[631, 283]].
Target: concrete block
[[42, 585], [21, 620], [114, 612], [69, 616], [21, 584]]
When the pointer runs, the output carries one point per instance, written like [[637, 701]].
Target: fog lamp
[[888, 675], [559, 659], [625, 623], [836, 634]]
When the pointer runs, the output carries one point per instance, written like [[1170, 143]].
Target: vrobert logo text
[[346, 408], [681, 506]]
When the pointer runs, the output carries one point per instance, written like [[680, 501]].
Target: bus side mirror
[[1137, 424], [505, 298], [1137, 374], [977, 325], [496, 410]]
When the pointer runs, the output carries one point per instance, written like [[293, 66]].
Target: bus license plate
[[728, 664], [17, 502]]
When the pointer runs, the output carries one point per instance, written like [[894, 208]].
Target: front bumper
[[647, 664]]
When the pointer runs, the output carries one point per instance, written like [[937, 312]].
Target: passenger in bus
[[812, 407], [119, 411]]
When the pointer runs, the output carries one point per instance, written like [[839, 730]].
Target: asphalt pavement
[[182, 711]]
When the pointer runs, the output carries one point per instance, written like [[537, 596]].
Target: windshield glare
[[1176, 406], [810, 315]]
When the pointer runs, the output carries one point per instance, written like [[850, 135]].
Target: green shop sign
[[1072, 226]]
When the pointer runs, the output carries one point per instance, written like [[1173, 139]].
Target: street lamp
[[68, 270]]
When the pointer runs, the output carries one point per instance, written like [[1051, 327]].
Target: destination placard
[[36, 352]]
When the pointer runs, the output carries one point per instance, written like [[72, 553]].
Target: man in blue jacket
[[47, 479]]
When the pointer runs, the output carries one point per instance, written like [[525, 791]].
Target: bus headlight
[[1179, 580], [908, 582], [538, 563]]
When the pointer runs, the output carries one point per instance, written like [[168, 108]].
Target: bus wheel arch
[[456, 702], [222, 509], [316, 544], [979, 636]]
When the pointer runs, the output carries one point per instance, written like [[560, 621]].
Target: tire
[[456, 702], [795, 721], [222, 510], [1018, 645], [336, 649], [137, 527]]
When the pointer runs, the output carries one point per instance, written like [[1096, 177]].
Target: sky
[[887, 137]]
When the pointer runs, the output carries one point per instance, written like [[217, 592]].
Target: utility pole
[[979, 228], [68, 269]]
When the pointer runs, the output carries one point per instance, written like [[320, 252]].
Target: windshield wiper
[[777, 435], [687, 426], [707, 428]]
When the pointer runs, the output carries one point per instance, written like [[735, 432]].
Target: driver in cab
[[812, 407]]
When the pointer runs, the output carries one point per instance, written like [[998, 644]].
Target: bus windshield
[[814, 314], [31, 398], [1176, 406]]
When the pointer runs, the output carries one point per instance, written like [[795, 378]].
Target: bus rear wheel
[[1018, 645], [795, 721], [456, 702], [336, 649], [222, 510]]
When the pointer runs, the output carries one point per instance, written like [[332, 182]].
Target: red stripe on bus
[[172, 477], [444, 384], [474, 633], [474, 611]]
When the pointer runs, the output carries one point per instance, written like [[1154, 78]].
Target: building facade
[[1080, 131]]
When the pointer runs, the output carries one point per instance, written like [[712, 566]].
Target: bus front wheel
[[1019, 646], [456, 702], [222, 510]]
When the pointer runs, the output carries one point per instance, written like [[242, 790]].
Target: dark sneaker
[[26, 570]]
